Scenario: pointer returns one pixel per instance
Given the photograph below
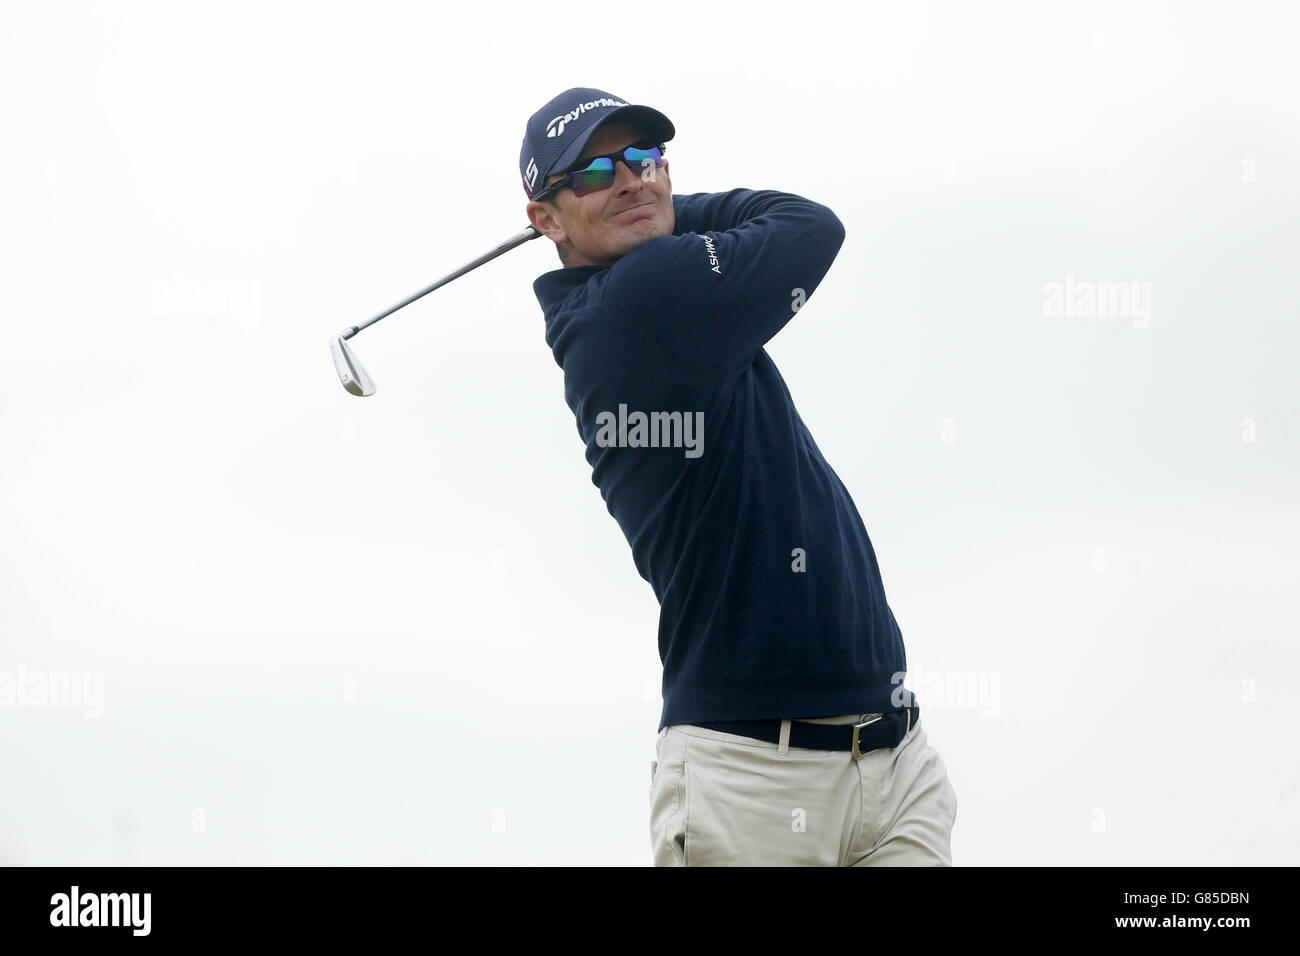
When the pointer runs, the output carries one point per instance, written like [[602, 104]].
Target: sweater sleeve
[[729, 278]]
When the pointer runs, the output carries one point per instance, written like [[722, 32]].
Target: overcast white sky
[[404, 629]]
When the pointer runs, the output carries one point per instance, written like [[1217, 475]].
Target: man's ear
[[543, 216]]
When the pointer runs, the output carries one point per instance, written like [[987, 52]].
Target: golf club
[[351, 372]]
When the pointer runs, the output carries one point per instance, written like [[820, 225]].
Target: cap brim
[[655, 125]]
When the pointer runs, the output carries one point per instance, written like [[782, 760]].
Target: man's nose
[[628, 175]]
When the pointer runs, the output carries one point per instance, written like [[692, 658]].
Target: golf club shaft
[[530, 232]]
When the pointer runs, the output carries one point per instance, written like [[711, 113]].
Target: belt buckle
[[856, 727]]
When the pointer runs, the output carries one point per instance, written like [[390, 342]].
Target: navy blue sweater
[[771, 600]]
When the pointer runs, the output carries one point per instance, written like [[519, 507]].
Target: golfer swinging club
[[786, 736]]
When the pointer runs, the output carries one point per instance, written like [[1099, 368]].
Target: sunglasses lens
[[642, 156], [599, 175]]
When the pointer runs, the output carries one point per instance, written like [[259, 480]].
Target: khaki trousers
[[720, 799]]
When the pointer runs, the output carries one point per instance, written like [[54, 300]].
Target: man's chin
[[634, 235], [642, 231]]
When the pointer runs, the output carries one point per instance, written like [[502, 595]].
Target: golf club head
[[351, 372]]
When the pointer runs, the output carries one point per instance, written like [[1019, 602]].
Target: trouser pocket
[[667, 803]]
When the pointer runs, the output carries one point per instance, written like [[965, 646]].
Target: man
[[786, 736]]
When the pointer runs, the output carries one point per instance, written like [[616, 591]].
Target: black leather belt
[[886, 730]]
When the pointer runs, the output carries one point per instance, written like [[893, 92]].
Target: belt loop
[[783, 746]]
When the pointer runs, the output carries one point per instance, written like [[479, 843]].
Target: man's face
[[603, 226]]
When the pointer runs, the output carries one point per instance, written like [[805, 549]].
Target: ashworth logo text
[[553, 130], [666, 430], [713, 255], [102, 909]]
